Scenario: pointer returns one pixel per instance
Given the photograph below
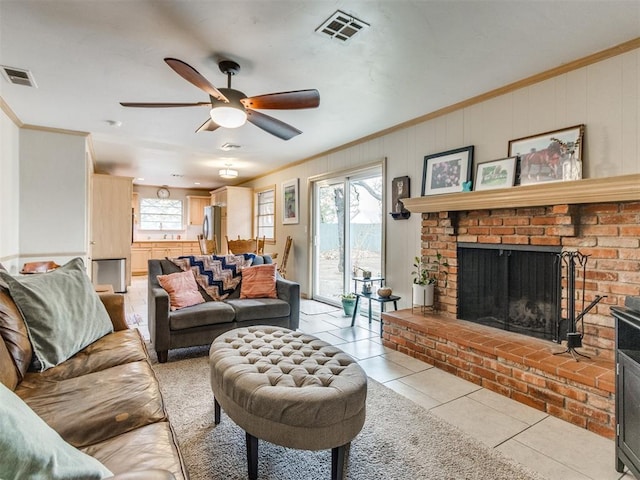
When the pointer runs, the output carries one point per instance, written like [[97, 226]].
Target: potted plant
[[348, 303], [426, 276]]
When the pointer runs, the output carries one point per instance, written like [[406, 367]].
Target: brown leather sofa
[[105, 400]]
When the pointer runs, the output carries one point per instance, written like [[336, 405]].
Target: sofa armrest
[[290, 292], [114, 303], [152, 474], [158, 310]]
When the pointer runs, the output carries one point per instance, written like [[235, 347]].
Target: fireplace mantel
[[591, 190]]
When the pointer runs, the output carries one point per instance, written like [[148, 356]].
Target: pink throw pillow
[[259, 281], [182, 289]]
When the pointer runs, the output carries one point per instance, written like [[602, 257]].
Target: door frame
[[311, 214]]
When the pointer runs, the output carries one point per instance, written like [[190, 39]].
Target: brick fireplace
[[514, 365]]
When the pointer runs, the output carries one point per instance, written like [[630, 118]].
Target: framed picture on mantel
[[495, 174], [549, 157], [446, 172]]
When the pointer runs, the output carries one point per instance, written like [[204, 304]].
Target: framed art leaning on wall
[[495, 174], [445, 172], [551, 156]]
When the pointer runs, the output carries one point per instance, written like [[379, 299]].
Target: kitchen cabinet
[[195, 207], [139, 258], [162, 250], [141, 252], [111, 219], [135, 208], [236, 219]]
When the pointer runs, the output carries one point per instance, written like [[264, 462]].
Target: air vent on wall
[[18, 76], [341, 26]]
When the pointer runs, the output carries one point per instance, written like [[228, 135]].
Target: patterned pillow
[[182, 289], [218, 276], [259, 282]]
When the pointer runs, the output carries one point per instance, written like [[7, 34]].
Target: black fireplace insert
[[511, 287]]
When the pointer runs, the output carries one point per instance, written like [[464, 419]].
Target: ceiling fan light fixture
[[228, 173], [228, 117]]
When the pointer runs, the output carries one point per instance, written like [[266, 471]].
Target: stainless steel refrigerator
[[211, 224]]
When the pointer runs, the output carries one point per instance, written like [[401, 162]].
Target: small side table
[[376, 298]]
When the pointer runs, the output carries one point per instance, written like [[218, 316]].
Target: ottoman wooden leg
[[337, 462], [216, 411], [252, 456]]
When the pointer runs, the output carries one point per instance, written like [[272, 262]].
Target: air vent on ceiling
[[18, 76], [341, 26], [229, 146]]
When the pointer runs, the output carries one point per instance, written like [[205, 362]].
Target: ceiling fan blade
[[208, 126], [272, 125], [284, 100], [191, 75], [165, 105]]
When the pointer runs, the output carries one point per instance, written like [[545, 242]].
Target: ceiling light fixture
[[228, 172], [228, 117], [232, 114]]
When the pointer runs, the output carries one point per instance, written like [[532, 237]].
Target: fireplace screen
[[510, 288]]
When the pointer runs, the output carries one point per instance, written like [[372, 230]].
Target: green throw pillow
[[62, 311], [29, 448]]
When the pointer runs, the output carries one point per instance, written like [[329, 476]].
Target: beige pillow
[[182, 289], [259, 281]]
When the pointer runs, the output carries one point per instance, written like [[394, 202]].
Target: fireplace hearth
[[511, 287]]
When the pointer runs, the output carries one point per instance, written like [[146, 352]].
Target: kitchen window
[[265, 216], [160, 214]]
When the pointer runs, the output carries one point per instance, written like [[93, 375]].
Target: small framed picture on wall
[[290, 202]]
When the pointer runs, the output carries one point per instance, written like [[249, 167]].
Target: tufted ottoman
[[290, 389]]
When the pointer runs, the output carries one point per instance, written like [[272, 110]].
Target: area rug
[[400, 440]]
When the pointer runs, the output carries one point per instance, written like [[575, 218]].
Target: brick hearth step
[[517, 366]]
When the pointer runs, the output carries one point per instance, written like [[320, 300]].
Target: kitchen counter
[[165, 240]]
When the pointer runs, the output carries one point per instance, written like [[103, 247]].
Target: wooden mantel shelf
[[592, 190]]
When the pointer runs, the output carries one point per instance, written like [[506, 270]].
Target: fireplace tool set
[[574, 338]]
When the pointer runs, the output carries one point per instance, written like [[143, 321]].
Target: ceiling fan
[[231, 108]]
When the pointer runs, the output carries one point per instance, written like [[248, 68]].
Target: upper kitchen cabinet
[[196, 206], [111, 219], [236, 212]]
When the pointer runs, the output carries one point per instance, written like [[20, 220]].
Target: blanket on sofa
[[217, 276]]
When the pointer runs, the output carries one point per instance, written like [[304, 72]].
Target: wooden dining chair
[[261, 245], [282, 268], [38, 267], [208, 247], [240, 246]]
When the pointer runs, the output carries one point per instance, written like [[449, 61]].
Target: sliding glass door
[[347, 231]]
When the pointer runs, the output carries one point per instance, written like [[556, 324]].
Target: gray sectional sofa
[[201, 324]]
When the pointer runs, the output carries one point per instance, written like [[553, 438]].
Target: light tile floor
[[556, 449]]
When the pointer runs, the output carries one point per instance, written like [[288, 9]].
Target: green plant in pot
[[348, 303], [425, 278]]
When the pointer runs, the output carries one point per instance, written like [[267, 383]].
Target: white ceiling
[[417, 56]]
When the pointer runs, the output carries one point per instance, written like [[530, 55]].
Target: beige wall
[[9, 192], [604, 96], [54, 196]]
